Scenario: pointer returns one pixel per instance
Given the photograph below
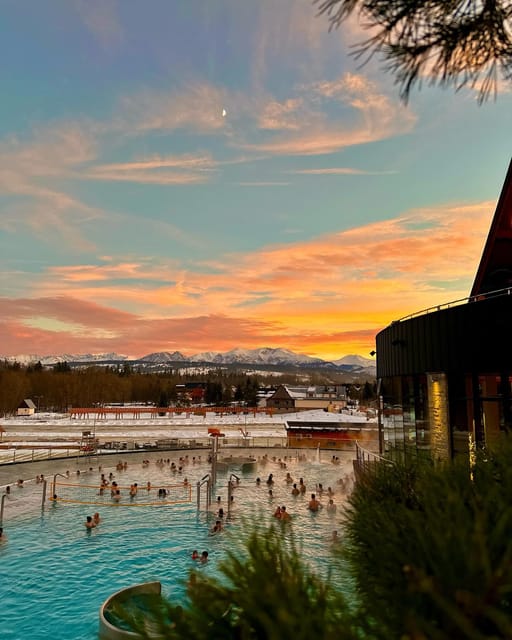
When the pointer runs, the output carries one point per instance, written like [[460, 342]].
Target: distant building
[[294, 398], [192, 392], [445, 374], [26, 408], [264, 393], [313, 434]]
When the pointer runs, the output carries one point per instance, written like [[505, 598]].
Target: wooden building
[[293, 398], [26, 408], [325, 434]]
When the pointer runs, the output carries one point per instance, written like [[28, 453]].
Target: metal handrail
[[365, 455], [207, 479], [230, 488], [54, 484], [455, 303]]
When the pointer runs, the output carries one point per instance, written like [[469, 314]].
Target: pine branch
[[448, 42]]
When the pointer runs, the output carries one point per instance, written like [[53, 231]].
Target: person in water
[[284, 514], [314, 505], [217, 527]]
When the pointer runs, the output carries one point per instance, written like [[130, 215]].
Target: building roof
[[26, 404], [320, 392], [495, 269]]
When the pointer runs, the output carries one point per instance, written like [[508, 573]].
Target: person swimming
[[217, 527], [284, 514], [314, 505]]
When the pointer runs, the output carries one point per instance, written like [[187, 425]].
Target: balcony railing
[[456, 303]]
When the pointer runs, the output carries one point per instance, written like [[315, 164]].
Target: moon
[[224, 113]]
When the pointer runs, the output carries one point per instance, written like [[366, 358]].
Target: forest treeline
[[61, 387]]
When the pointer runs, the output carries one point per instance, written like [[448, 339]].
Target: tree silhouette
[[448, 42]]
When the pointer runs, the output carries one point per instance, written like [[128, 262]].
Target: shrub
[[430, 548]]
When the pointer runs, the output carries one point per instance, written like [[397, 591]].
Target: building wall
[[25, 411], [469, 337], [445, 379], [315, 403]]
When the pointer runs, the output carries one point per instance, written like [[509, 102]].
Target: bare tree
[[449, 42]]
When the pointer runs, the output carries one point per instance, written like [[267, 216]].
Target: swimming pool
[[55, 574]]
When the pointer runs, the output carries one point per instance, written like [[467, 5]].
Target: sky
[[200, 176]]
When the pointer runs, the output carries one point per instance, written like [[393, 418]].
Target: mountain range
[[265, 356]]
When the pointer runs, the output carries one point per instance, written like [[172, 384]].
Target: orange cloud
[[344, 286], [305, 128]]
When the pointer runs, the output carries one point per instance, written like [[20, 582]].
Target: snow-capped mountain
[[358, 361], [66, 357], [257, 356], [164, 356], [265, 356]]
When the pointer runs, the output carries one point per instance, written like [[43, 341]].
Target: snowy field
[[59, 429]]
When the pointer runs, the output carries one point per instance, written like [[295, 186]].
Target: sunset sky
[[209, 174]]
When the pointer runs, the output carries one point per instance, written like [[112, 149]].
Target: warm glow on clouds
[[206, 175], [304, 128], [196, 107], [344, 286]]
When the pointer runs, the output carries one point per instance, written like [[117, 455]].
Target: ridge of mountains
[[265, 356]]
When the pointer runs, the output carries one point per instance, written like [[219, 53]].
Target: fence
[[23, 454]]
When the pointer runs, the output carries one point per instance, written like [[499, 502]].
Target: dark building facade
[[445, 375]]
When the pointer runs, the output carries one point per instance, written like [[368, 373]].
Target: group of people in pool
[[115, 490], [92, 521], [203, 558], [299, 488]]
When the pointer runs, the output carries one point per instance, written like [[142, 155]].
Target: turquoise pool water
[[55, 574]]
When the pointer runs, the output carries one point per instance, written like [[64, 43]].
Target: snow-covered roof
[[27, 404]]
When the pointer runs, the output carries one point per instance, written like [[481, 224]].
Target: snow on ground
[[60, 427]]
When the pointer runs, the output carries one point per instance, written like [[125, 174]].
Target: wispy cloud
[[264, 184], [186, 169], [196, 107], [281, 115], [31, 172], [341, 171], [188, 161], [359, 279], [317, 123], [101, 18], [288, 31]]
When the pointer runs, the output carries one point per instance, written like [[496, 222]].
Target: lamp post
[[38, 398]]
